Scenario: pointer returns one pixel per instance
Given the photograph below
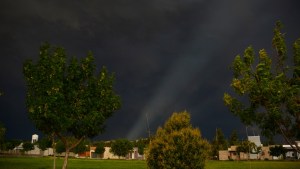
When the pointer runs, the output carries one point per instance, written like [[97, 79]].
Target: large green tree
[[11, 144], [121, 147], [141, 144], [268, 90], [177, 145], [82, 147], [233, 138], [27, 146], [70, 99], [277, 151], [2, 136], [219, 143], [2, 133], [44, 143], [60, 147], [247, 147], [100, 148]]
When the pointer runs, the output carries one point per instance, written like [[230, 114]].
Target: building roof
[[255, 140]]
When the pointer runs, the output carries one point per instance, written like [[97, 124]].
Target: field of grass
[[47, 163], [253, 165]]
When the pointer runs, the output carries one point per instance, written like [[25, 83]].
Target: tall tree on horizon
[[219, 143], [2, 136], [100, 148], [268, 90], [69, 100], [233, 139]]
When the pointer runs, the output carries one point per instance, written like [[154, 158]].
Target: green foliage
[[219, 143], [277, 151], [247, 147], [44, 143], [2, 135], [177, 145], [141, 144], [121, 147], [82, 147], [60, 147], [68, 98], [11, 144], [100, 147], [107, 144], [268, 90], [27, 146], [233, 139]]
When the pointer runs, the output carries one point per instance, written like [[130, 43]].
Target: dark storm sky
[[168, 55]]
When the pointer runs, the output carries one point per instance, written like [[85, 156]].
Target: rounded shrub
[[178, 145]]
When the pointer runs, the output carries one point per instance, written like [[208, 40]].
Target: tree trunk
[[68, 148], [54, 159], [293, 146], [54, 156], [66, 159]]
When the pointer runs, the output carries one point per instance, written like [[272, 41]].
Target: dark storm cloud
[[197, 58], [168, 55]]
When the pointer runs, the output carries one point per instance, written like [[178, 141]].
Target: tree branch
[[295, 145], [76, 143]]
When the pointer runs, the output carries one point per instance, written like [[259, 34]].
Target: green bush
[[178, 145]]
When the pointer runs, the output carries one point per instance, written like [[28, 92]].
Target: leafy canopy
[[82, 147], [268, 90], [27, 146], [141, 144], [11, 144], [177, 145], [2, 133], [71, 99], [44, 143], [248, 147], [68, 98], [100, 147], [277, 151], [233, 139], [121, 147], [219, 143]]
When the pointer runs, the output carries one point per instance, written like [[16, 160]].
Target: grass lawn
[[253, 165], [47, 163]]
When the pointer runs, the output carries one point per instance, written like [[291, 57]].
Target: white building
[[34, 138], [257, 142], [291, 153]]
